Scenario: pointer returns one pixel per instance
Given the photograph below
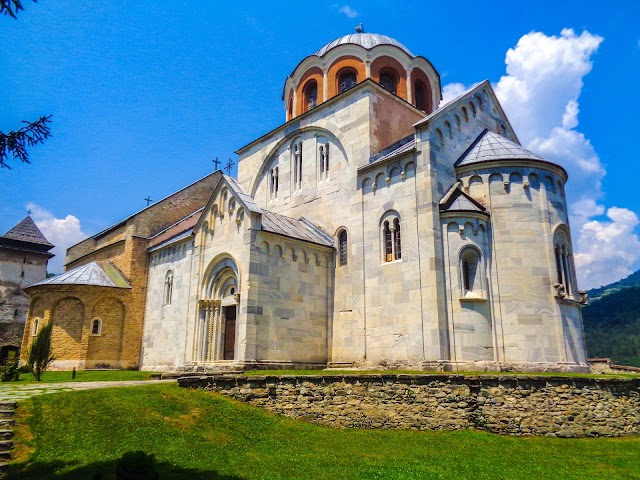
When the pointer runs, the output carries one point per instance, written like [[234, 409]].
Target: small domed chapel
[[375, 228]]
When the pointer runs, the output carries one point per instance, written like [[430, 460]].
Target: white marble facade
[[457, 252]]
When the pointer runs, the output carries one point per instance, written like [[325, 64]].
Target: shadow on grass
[[131, 466]]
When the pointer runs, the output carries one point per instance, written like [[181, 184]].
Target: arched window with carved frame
[[391, 238], [565, 272]]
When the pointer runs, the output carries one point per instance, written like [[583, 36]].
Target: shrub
[[137, 466], [9, 372], [39, 355]]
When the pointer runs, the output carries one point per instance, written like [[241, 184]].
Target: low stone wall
[[516, 405]]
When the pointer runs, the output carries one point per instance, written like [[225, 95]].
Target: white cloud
[[348, 11], [540, 94], [62, 232], [451, 91], [606, 250]]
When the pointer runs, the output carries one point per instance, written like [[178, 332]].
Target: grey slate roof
[[405, 145], [365, 40], [491, 146], [455, 200], [27, 231], [247, 199], [301, 229], [101, 274]]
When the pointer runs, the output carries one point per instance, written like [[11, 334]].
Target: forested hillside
[[612, 321]]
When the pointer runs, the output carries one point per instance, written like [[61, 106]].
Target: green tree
[[15, 143], [39, 354]]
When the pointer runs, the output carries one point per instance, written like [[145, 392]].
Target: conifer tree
[[39, 355]]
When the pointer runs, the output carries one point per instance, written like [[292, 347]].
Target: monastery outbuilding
[[375, 228]]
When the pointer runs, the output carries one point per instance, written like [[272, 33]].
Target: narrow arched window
[[420, 94], [470, 271], [296, 158], [96, 327], [168, 287], [273, 183], [342, 248], [388, 80], [564, 263], [36, 324], [323, 153], [310, 95], [290, 108], [347, 78]]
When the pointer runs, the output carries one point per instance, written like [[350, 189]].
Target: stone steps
[[7, 414]]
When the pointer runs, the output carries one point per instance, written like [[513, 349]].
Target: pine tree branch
[[16, 143], [11, 7]]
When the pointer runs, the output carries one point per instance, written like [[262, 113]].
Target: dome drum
[[349, 60]]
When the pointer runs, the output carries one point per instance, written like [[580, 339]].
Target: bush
[[9, 372]]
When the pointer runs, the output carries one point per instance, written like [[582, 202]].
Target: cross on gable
[[216, 162], [148, 200]]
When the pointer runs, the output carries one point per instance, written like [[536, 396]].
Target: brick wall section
[[531, 405]]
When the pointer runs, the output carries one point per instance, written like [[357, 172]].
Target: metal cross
[[148, 200], [216, 162], [228, 166], [29, 212]]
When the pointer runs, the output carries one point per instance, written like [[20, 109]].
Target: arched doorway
[[216, 337]]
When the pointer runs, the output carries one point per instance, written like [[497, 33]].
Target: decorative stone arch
[[269, 159], [68, 317], [385, 63], [410, 169], [216, 276]]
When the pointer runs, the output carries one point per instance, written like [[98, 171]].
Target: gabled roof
[[100, 274], [455, 200], [179, 230], [301, 229], [490, 146], [447, 105], [240, 192], [27, 231]]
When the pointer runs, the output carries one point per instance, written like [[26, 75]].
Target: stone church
[[376, 228]]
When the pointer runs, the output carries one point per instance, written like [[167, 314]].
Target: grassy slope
[[83, 376], [199, 435]]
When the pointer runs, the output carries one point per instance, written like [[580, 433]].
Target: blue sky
[[145, 94]]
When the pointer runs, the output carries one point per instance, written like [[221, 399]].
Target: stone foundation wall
[[531, 405]]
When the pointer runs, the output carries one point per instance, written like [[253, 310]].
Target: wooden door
[[229, 332]]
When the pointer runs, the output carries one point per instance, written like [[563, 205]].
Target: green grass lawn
[[201, 435], [82, 376]]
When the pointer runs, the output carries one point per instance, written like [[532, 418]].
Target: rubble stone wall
[[516, 405]]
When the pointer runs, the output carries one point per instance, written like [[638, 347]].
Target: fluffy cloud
[[607, 249], [62, 232], [451, 91], [540, 94], [348, 11]]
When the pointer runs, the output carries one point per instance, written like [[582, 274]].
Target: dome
[[365, 40]]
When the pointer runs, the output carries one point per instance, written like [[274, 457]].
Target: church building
[[375, 228]]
